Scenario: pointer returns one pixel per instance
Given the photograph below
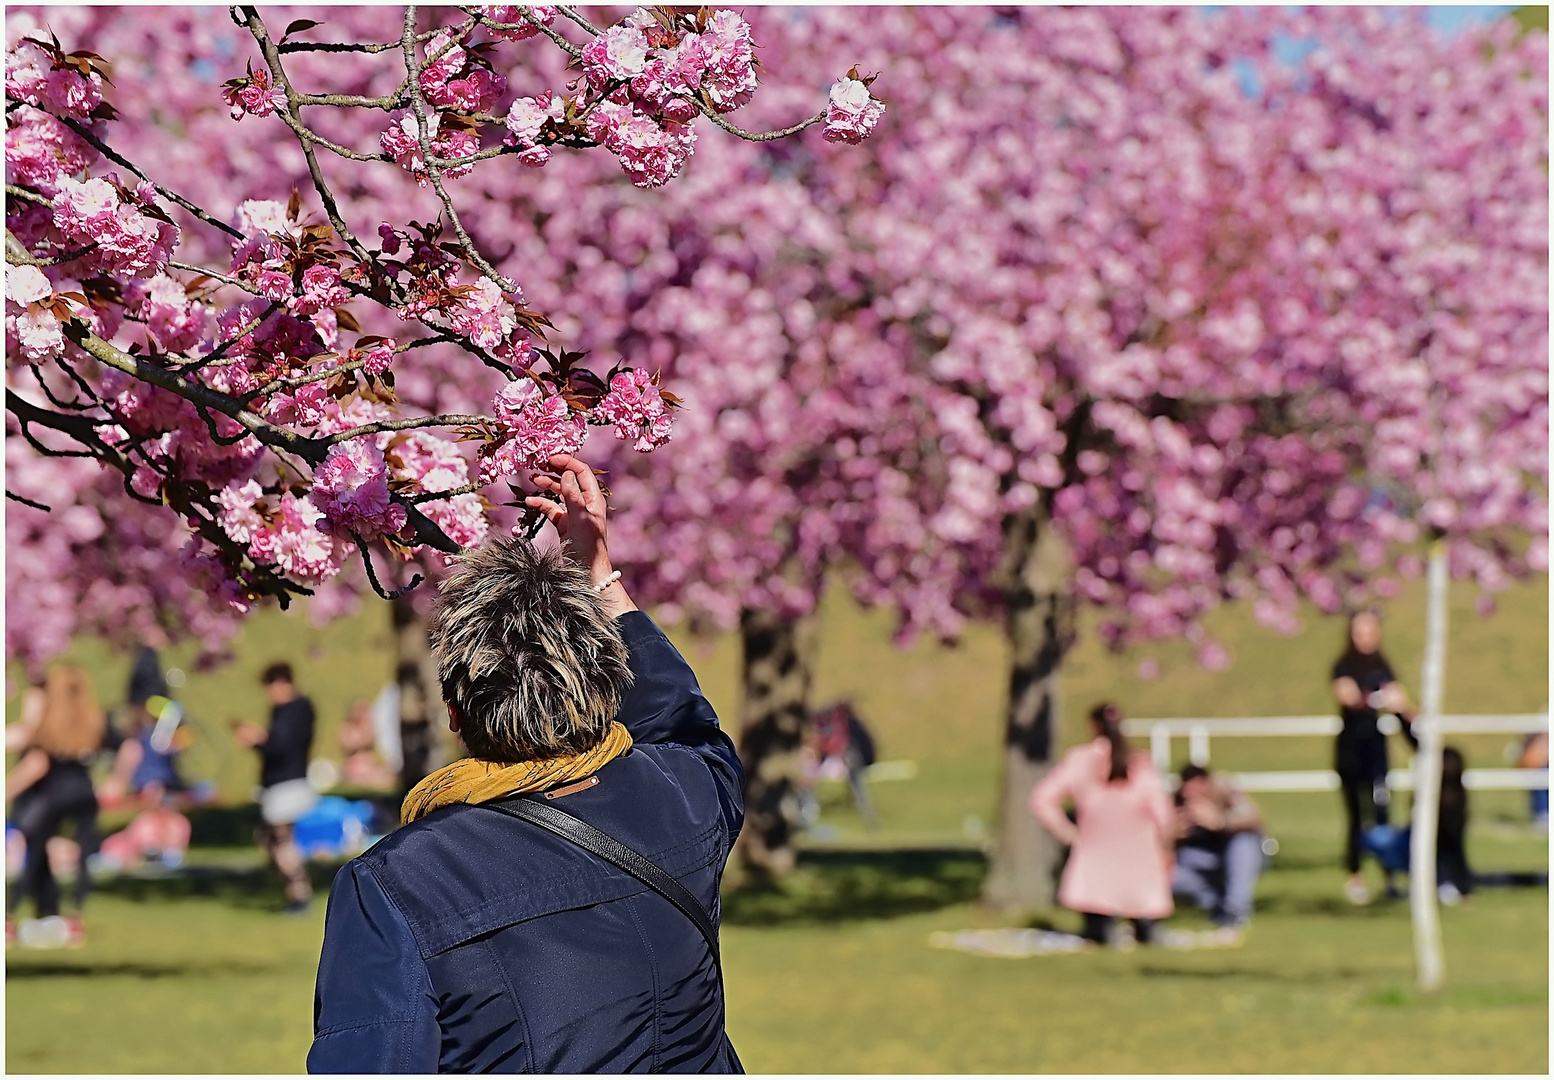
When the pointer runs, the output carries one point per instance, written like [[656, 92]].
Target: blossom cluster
[[536, 423], [124, 230], [254, 95], [42, 74], [448, 139], [637, 408], [852, 112]]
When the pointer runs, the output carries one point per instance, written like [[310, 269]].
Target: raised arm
[[664, 704], [579, 519]]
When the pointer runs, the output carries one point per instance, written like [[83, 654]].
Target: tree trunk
[[421, 709], [775, 709], [1021, 876]]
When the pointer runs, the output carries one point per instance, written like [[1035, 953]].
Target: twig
[[571, 13], [410, 424], [221, 350], [756, 136], [171, 196], [372, 577], [438, 496], [433, 171], [9, 494]]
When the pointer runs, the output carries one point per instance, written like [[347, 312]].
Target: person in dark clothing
[[286, 796], [1453, 877], [1365, 687], [471, 941], [62, 728], [146, 678]]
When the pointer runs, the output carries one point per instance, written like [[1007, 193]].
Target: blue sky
[[1450, 17]]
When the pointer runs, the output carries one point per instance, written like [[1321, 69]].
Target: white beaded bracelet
[[615, 575]]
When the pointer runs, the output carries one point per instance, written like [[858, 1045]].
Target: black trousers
[[1362, 778], [64, 794], [1098, 928]]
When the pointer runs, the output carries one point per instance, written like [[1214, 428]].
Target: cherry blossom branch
[[291, 115], [171, 196], [433, 171], [195, 393], [409, 424], [755, 136]]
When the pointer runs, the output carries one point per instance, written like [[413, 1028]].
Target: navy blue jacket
[[469, 941]]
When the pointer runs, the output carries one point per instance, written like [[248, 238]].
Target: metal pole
[[1428, 956]]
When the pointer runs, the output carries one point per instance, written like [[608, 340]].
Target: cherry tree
[[1192, 324], [197, 345], [1143, 281], [1057, 334]]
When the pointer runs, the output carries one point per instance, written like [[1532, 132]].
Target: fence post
[[1160, 747], [1198, 745]]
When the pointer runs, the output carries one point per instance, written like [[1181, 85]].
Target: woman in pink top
[[1119, 865]]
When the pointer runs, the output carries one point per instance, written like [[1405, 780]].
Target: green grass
[[833, 972]]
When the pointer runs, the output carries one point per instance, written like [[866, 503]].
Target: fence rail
[[1199, 730]]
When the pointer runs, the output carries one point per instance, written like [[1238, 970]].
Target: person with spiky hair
[[474, 940]]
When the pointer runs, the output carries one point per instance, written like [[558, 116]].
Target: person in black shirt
[[1365, 687], [286, 794]]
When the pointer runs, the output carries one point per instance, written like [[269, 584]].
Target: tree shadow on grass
[[840, 886], [252, 887], [1316, 975], [21, 969]]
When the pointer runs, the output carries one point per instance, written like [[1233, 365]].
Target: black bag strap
[[618, 855]]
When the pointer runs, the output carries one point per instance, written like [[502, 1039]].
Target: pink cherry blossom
[[536, 426], [637, 409], [853, 112], [351, 488], [256, 96]]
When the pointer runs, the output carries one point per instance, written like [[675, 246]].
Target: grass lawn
[[834, 972]]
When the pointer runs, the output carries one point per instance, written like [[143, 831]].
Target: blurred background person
[[1453, 877], [1365, 687], [1219, 848], [285, 794], [1535, 755], [61, 729], [361, 763], [147, 679], [1119, 863], [840, 746]]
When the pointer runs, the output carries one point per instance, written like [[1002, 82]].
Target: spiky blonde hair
[[526, 654]]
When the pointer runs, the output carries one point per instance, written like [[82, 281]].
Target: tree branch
[[433, 171], [293, 120], [171, 196]]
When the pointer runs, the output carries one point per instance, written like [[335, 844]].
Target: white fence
[[1199, 730]]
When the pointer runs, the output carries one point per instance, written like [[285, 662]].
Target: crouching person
[[499, 930], [1219, 848]]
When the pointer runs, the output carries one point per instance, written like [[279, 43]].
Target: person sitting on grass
[[1219, 848], [473, 939], [1120, 847]]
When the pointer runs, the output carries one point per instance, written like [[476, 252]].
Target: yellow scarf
[[475, 781]]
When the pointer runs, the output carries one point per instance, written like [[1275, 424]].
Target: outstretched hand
[[580, 520]]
